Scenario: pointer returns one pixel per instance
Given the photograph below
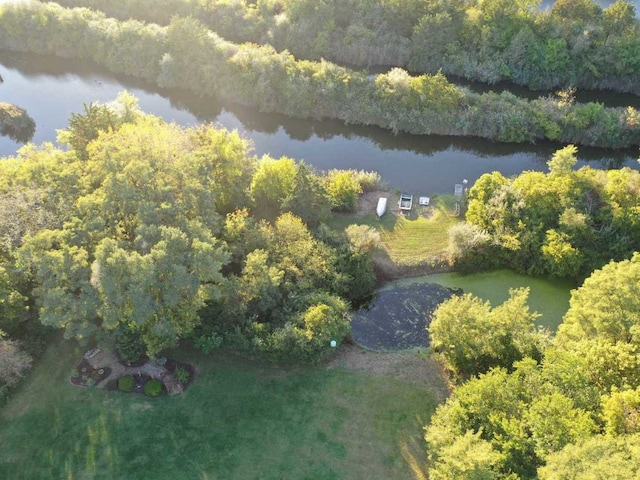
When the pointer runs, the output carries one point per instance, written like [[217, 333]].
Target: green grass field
[[547, 297], [409, 241], [239, 420]]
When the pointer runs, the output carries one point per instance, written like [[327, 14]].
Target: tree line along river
[[50, 89]]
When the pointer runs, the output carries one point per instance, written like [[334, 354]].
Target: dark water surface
[[50, 89]]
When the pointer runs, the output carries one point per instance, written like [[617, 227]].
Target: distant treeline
[[186, 54], [576, 43]]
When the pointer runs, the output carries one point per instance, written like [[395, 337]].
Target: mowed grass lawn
[[239, 420], [409, 241]]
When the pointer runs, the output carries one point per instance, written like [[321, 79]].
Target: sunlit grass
[[410, 241], [239, 420]]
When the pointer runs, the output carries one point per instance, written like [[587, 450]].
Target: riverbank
[[187, 55]]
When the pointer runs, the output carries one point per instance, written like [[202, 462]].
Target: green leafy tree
[[140, 252], [621, 412], [597, 458], [605, 306], [471, 337], [469, 457], [308, 199], [555, 422], [272, 183], [85, 127]]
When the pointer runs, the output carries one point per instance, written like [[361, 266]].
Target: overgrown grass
[[410, 241], [548, 297], [239, 420]]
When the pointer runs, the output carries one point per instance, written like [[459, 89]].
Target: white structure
[[424, 201], [382, 206]]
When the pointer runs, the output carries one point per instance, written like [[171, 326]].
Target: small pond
[[398, 316]]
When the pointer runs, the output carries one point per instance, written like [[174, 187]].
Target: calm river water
[[50, 89]]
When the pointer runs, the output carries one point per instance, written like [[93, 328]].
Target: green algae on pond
[[548, 297], [398, 317]]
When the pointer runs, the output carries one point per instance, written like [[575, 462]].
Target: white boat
[[424, 201], [382, 206]]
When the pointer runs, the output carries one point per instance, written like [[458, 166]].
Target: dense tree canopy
[[565, 223], [576, 43], [143, 233], [471, 337], [606, 306], [565, 415]]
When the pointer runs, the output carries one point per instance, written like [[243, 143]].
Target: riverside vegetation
[[140, 234], [186, 54]]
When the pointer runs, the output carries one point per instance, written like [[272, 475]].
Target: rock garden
[[151, 377]]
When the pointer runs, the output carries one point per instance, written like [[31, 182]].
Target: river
[[50, 89]]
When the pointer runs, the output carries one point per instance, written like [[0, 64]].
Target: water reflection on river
[[50, 89]]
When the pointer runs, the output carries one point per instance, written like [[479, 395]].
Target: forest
[[528, 404], [141, 236], [143, 233], [576, 43], [186, 54]]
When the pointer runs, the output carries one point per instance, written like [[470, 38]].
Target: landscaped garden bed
[[146, 376], [87, 375]]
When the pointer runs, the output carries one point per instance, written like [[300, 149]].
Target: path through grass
[[239, 420]]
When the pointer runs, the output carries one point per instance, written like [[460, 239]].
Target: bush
[[181, 375], [126, 383], [153, 388], [369, 181], [129, 346], [343, 189]]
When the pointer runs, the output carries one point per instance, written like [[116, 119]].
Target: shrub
[[181, 375], [126, 383], [153, 388], [369, 181], [344, 190], [129, 346]]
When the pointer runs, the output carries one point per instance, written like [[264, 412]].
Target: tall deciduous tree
[[471, 337], [606, 306], [140, 253]]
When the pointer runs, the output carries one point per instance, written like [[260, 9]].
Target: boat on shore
[[406, 202], [382, 206]]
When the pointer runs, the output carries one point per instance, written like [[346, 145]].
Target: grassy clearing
[[547, 297], [409, 241], [239, 420]]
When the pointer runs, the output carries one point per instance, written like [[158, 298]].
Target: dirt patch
[[412, 366], [368, 201]]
